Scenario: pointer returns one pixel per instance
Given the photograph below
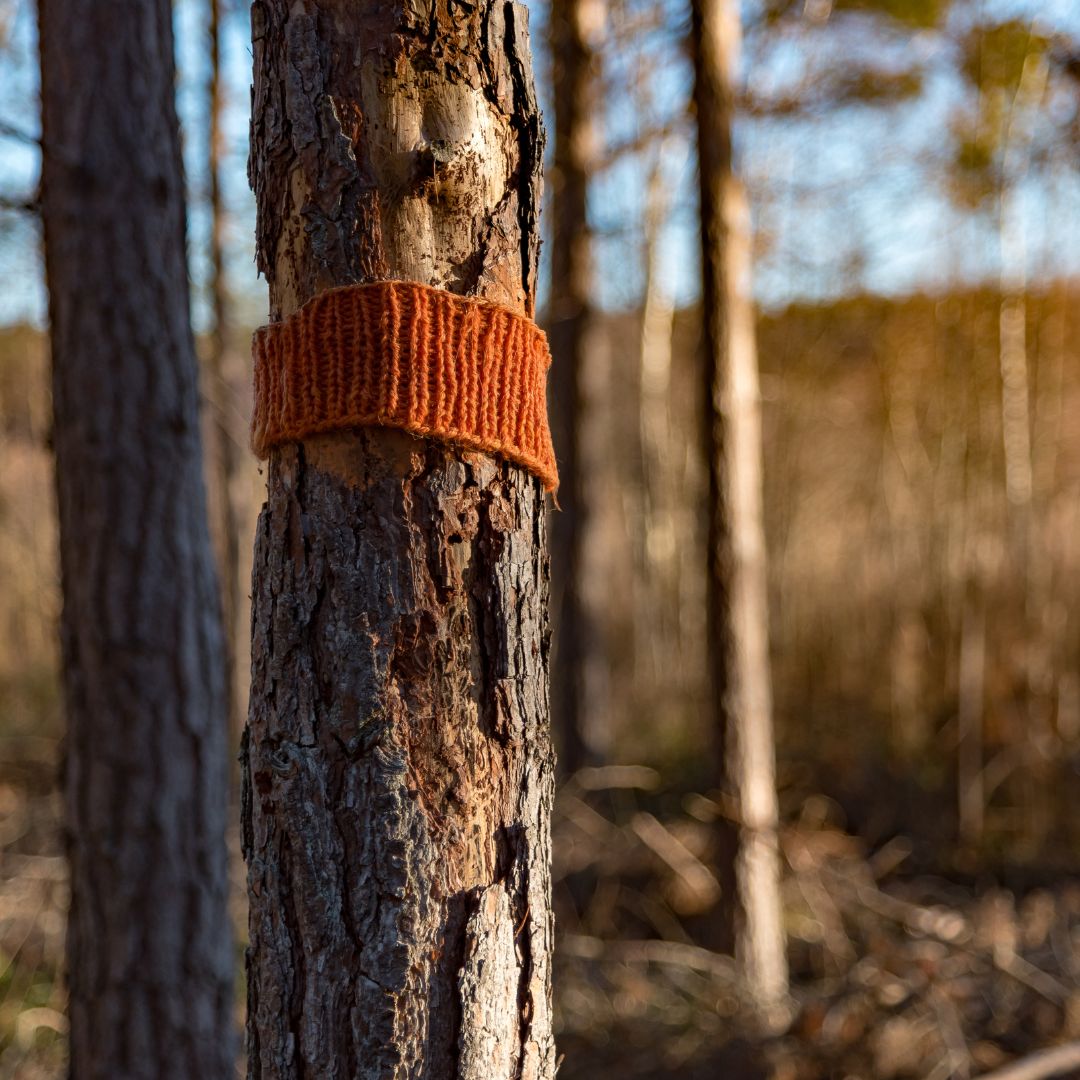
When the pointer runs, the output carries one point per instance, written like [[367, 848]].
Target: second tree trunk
[[737, 587]]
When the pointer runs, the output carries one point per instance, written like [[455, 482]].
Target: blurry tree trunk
[[149, 946], [1015, 409], [658, 637], [223, 451], [737, 596], [979, 771], [1035, 729], [971, 681], [906, 485], [397, 764], [1051, 588], [572, 28], [1016, 429], [1015, 404]]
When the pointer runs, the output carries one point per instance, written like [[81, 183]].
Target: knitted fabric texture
[[405, 355]]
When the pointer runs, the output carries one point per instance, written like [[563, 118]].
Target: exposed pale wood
[[398, 766]]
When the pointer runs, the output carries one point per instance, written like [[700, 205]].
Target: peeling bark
[[397, 765], [146, 773]]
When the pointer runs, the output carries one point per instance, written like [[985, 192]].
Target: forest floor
[[894, 976], [33, 888]]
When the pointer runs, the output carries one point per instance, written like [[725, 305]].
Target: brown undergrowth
[[894, 975]]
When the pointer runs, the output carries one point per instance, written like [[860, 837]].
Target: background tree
[[737, 589], [398, 767], [574, 28], [224, 439], [1009, 125], [145, 776]]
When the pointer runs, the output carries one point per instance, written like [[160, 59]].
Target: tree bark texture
[[572, 26], [146, 774], [397, 766], [737, 587]]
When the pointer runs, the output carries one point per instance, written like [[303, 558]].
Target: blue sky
[[844, 201]]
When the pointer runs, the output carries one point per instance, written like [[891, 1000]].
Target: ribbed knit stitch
[[396, 353]]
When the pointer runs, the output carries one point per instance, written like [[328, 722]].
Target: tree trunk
[[659, 648], [971, 693], [737, 590], [397, 766], [224, 456], [146, 773], [571, 30]]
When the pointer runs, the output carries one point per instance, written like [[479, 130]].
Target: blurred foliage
[[907, 14], [911, 14], [1007, 127], [995, 56], [837, 89]]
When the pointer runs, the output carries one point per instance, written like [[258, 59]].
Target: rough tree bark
[[737, 588], [145, 785], [573, 24], [398, 771]]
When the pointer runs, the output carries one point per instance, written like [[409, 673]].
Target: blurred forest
[[912, 167]]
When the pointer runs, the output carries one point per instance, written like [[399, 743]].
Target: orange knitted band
[[404, 355]]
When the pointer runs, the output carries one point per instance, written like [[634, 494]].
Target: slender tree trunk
[[971, 681], [737, 586], [905, 478], [397, 766], [224, 456], [659, 646], [574, 76], [1016, 433], [149, 947]]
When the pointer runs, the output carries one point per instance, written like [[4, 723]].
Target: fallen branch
[[668, 953], [951, 928], [1040, 1066], [704, 889]]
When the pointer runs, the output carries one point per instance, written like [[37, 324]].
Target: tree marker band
[[463, 370]]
